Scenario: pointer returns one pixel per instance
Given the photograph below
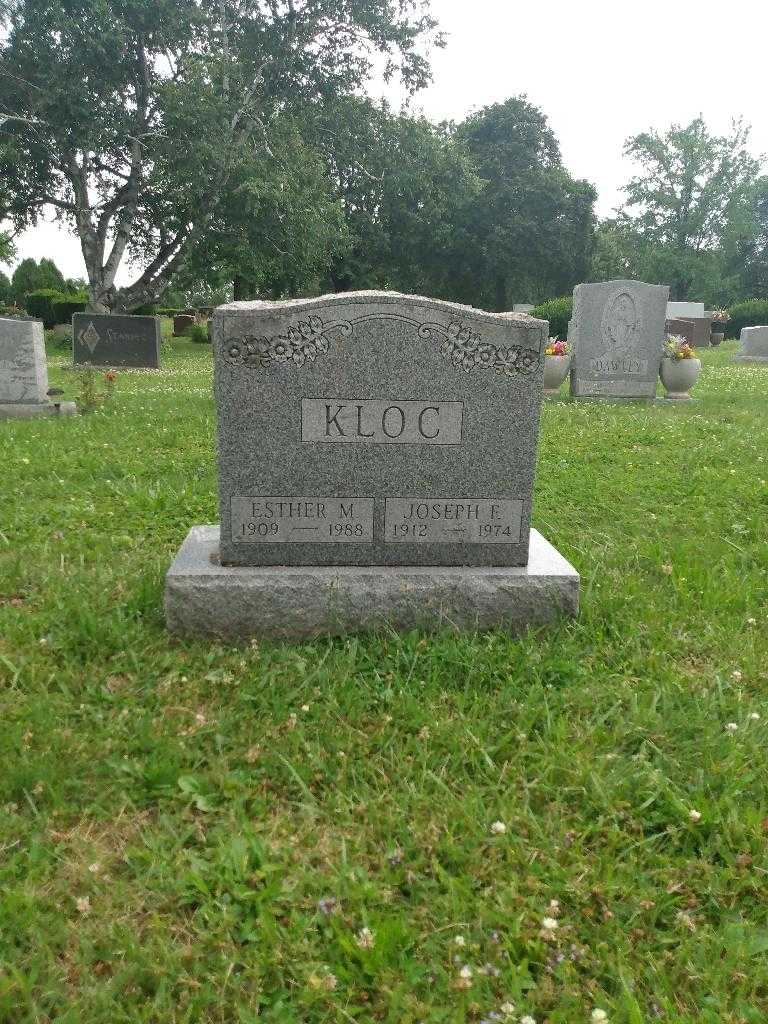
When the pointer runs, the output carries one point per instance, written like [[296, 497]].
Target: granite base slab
[[239, 603], [22, 411]]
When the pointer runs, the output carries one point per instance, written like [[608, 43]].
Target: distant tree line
[[228, 150]]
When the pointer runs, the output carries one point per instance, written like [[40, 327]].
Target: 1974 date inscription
[[452, 520]]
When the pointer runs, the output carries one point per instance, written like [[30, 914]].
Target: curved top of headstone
[[456, 309]]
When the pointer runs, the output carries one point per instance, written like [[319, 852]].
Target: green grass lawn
[[196, 833]]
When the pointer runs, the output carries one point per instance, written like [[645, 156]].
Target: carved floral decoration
[[305, 341]]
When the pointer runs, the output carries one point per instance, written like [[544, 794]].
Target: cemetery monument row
[[106, 340], [23, 371], [376, 462], [617, 333]]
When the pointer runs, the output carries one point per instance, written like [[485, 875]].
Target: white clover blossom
[[498, 828], [694, 815], [731, 727], [365, 939], [549, 924], [465, 972], [459, 940], [599, 1016]]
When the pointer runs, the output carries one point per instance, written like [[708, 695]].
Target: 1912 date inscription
[[452, 520], [289, 520]]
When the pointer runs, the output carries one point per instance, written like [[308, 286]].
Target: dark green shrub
[[558, 312], [65, 307], [199, 333], [751, 313], [147, 310], [40, 304]]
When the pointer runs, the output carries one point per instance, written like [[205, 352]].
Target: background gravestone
[[106, 340], [376, 462], [754, 346], [618, 331], [24, 372], [686, 310], [681, 328], [23, 369], [702, 330]]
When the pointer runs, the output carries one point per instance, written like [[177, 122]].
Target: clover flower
[[498, 828], [365, 939], [694, 815]]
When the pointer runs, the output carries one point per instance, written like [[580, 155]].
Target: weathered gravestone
[[106, 340], [702, 330], [754, 346], [182, 324], [617, 333], [686, 310], [376, 461], [679, 327], [23, 371]]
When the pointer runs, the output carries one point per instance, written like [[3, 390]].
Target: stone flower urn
[[717, 338], [555, 372], [678, 377]]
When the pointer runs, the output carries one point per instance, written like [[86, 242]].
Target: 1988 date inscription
[[290, 520]]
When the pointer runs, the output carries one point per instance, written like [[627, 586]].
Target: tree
[[531, 225], [750, 260], [689, 202], [277, 229], [7, 248], [130, 120], [30, 276], [6, 292], [402, 183]]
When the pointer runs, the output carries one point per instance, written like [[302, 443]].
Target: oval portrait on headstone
[[621, 323]]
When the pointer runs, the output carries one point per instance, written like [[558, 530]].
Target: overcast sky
[[600, 70]]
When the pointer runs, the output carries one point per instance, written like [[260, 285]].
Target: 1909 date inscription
[[452, 520], [289, 520], [380, 421]]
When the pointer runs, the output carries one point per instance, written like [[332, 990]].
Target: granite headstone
[[376, 428], [617, 332], [754, 346], [182, 324], [23, 371], [376, 461], [107, 340], [687, 310], [679, 327]]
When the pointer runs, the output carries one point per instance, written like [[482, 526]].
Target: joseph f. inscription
[[452, 520], [376, 421]]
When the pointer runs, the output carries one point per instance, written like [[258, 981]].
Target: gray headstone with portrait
[[618, 330], [381, 448], [110, 340]]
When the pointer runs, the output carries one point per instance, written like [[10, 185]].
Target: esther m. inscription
[[380, 421], [452, 520], [273, 520]]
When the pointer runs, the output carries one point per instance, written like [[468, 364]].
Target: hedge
[[751, 313], [558, 312]]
